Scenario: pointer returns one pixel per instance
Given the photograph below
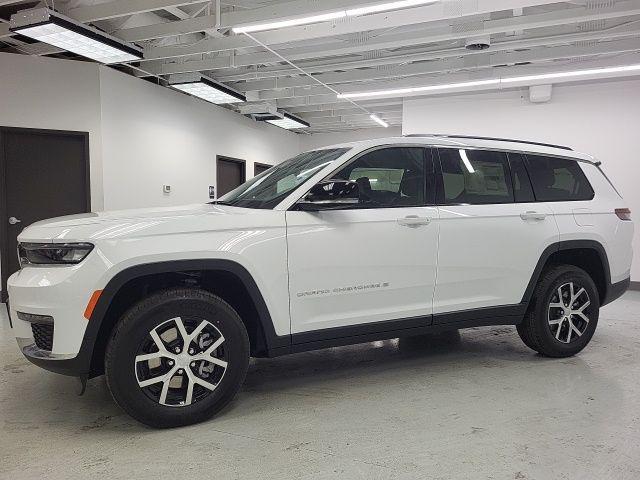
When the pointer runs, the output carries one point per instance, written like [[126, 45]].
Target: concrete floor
[[475, 405]]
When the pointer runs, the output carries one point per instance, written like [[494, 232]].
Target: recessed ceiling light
[[50, 27], [289, 122], [208, 90], [493, 81], [352, 12]]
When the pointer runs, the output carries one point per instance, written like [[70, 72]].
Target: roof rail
[[470, 137]]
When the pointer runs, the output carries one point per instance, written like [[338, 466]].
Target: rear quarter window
[[558, 179]]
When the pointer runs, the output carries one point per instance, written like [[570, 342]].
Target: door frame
[[239, 161], [258, 164], [4, 238]]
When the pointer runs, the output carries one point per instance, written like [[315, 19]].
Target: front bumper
[[75, 366], [61, 293]]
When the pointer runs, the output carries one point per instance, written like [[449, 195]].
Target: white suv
[[346, 244]]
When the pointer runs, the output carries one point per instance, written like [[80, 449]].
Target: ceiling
[[415, 46]]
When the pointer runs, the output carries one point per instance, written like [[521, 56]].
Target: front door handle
[[532, 215], [13, 220], [414, 221]]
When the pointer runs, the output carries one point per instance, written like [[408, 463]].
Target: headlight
[[52, 253]]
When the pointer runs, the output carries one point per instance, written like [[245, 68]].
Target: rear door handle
[[414, 221], [531, 215]]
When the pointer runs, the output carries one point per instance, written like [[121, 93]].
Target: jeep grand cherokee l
[[341, 245]]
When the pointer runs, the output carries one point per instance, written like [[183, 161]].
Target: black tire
[[535, 330], [133, 330]]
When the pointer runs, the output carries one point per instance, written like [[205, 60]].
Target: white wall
[[602, 119], [153, 135], [309, 142]]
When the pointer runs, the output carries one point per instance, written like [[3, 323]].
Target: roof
[[471, 142]]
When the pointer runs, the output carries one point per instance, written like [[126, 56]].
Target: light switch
[[166, 189]]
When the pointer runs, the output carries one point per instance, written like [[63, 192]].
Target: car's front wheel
[[563, 313], [177, 357]]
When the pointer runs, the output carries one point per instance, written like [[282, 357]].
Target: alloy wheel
[[181, 361], [568, 313]]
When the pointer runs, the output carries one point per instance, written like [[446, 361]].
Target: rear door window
[[474, 177], [558, 179]]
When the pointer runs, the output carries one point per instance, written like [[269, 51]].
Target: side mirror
[[330, 194]]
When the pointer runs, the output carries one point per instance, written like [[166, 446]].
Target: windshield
[[271, 187]]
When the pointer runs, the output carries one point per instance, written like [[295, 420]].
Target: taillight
[[623, 213]]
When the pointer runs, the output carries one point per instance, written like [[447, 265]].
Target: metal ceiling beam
[[288, 11], [169, 29], [356, 62], [341, 126], [120, 8], [362, 117], [438, 34], [472, 61], [396, 18], [348, 109], [177, 12], [371, 105], [462, 77], [310, 100]]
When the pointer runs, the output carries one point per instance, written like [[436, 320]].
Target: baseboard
[[634, 286]]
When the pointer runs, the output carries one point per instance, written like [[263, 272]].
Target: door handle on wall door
[[13, 220], [531, 215], [414, 221]]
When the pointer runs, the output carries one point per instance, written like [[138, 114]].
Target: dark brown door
[[258, 168], [231, 173], [45, 173]]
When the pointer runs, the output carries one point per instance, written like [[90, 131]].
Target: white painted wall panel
[[153, 135]]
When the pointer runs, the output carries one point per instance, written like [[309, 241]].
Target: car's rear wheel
[[563, 313], [177, 357]]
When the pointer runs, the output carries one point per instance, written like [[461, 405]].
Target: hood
[[130, 214], [141, 222]]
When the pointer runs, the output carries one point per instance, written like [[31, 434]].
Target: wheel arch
[[222, 277], [590, 255]]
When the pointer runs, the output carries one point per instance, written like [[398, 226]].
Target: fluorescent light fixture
[[403, 91], [494, 81], [50, 27], [208, 90], [379, 121], [385, 7], [289, 122], [576, 73], [465, 160], [353, 12], [291, 23]]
